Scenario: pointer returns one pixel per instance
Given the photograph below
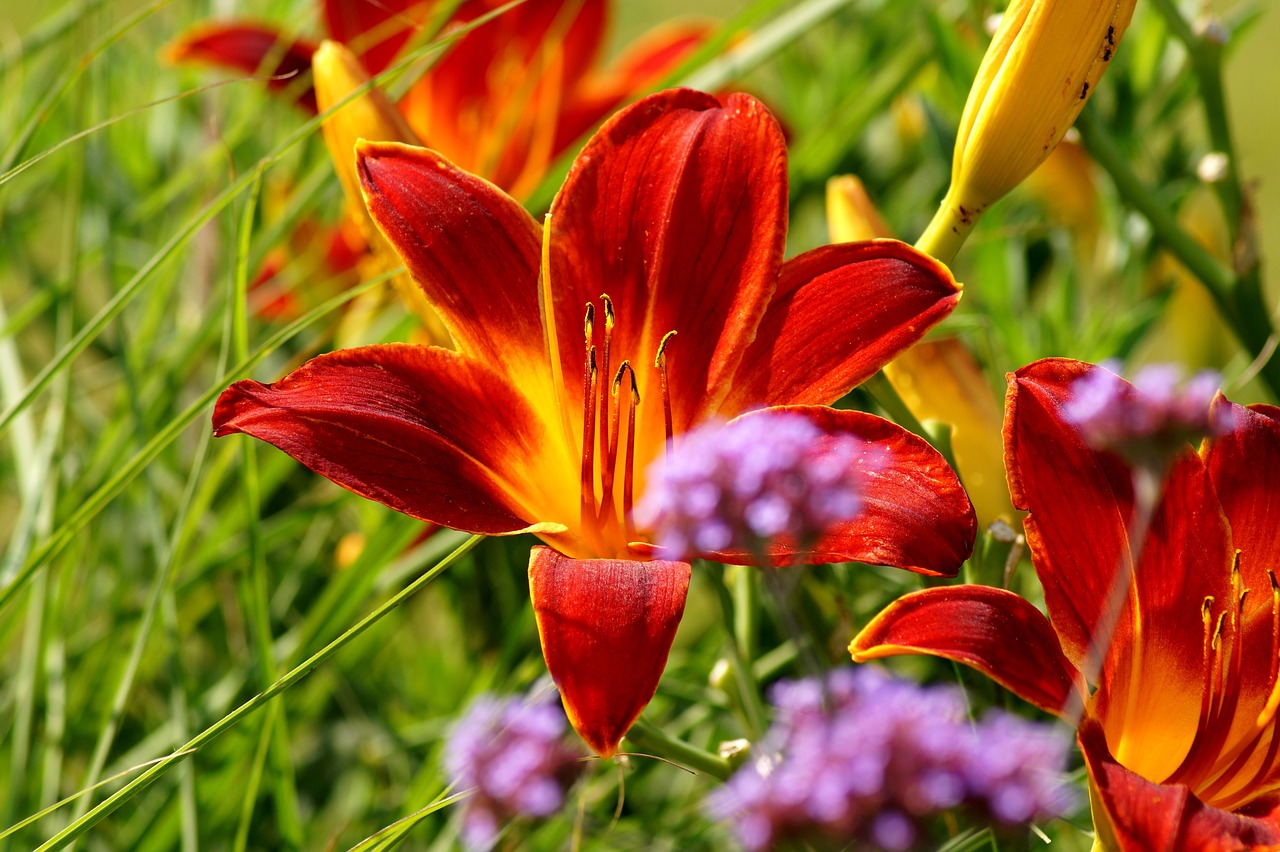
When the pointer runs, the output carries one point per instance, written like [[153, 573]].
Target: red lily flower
[[567, 380], [1181, 734], [505, 100]]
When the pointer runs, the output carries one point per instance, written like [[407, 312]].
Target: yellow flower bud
[[1043, 64], [371, 115]]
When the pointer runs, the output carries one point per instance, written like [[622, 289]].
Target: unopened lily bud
[[369, 115], [338, 75], [1043, 64]]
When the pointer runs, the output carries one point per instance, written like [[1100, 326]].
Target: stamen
[[660, 363], [606, 475], [1273, 700], [1195, 755], [589, 438], [611, 450], [629, 465]]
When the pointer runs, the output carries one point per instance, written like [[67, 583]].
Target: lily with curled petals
[[506, 99], [654, 298], [1181, 734]]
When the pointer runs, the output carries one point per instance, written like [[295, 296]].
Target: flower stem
[[1239, 299], [652, 739], [947, 231]]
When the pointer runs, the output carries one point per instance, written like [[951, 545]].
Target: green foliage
[[155, 583]]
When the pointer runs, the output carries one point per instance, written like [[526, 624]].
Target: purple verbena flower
[[866, 758], [1149, 420], [515, 755], [737, 485]]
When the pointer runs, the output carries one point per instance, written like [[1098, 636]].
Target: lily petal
[[471, 247], [992, 630], [253, 49], [1133, 814], [1080, 500], [1154, 677], [606, 627], [840, 313], [423, 430], [674, 207], [915, 514]]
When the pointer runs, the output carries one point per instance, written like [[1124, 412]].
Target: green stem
[[653, 740], [947, 231], [135, 786], [1240, 300], [747, 691]]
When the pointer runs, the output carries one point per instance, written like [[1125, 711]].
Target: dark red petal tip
[[606, 627], [992, 630]]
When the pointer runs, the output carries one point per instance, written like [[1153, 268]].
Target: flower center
[[604, 517]]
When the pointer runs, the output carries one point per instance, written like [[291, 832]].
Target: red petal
[[1154, 677], [376, 31], [249, 47], [606, 627], [472, 248], [1133, 814], [915, 514], [992, 630], [840, 313], [677, 209], [1080, 501], [423, 430]]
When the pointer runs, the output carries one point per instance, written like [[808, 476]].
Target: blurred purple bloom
[[737, 485], [1149, 420], [866, 758], [515, 754]]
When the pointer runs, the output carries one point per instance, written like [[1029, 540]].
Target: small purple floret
[[738, 485], [868, 759], [1149, 420], [516, 756]]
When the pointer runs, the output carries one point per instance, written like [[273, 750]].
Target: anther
[[660, 363]]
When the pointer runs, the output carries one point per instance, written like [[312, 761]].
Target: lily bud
[[371, 115], [1043, 64]]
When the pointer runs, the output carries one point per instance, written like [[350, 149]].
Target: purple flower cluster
[[866, 758], [1149, 420], [515, 755], [737, 485]]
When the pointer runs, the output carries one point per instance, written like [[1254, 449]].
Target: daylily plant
[[503, 102], [654, 298], [1180, 735]]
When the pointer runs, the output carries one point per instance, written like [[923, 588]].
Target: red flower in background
[[567, 380], [1181, 734], [505, 100]]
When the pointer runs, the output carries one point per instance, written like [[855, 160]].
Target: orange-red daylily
[[508, 98], [654, 298], [1181, 734]]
